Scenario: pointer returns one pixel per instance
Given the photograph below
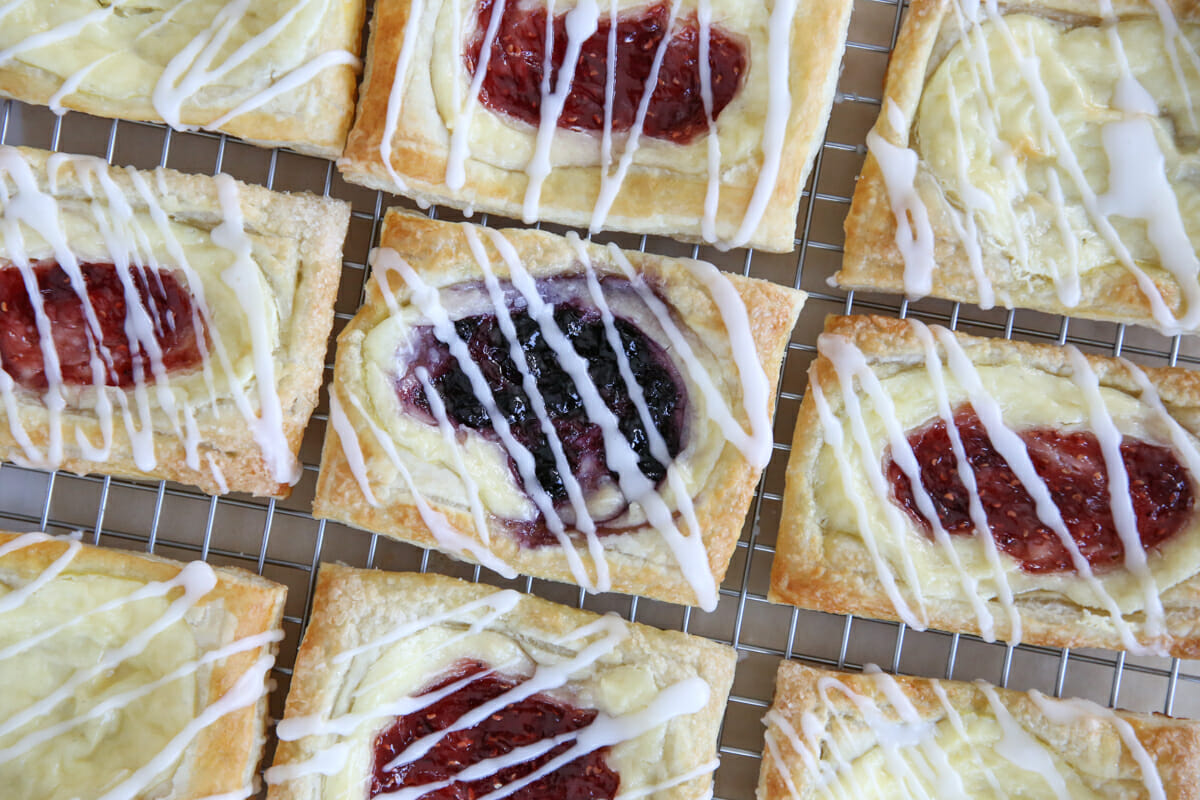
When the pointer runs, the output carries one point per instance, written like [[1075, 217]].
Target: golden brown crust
[[665, 198], [353, 607], [305, 283], [640, 561], [224, 756], [1091, 745], [312, 118], [872, 259], [821, 568]]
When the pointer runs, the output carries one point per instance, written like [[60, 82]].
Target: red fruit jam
[[168, 305], [517, 725], [513, 83], [1073, 468]]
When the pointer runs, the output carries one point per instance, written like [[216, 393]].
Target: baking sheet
[[283, 542]]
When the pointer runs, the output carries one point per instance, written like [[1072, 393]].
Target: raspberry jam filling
[[582, 438], [1072, 466], [513, 83], [168, 307], [517, 725]]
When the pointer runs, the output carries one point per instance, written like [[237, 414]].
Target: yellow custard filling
[[93, 747]]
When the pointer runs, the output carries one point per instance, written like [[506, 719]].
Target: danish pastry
[[129, 676], [160, 325], [409, 685], [543, 405], [1016, 491], [1034, 156], [512, 108], [271, 72], [873, 735]]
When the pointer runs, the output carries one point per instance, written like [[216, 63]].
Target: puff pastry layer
[[128, 675], [836, 734], [847, 545], [580, 483], [257, 271], [274, 73], [421, 131], [378, 641], [1035, 156]]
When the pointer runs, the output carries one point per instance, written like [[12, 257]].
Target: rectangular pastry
[[1016, 491], [412, 685], [874, 735], [272, 72], [465, 103], [548, 406], [128, 676], [1034, 156], [161, 325]]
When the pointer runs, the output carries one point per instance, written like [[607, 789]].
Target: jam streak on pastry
[[195, 68], [551, 98], [524, 724], [849, 364], [417, 733], [160, 312], [1074, 470], [676, 111], [635, 447], [196, 580], [1136, 186], [53, 316], [922, 750]]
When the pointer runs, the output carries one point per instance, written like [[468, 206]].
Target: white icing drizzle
[[913, 745], [687, 546], [130, 251], [195, 68], [849, 364], [1137, 184], [456, 158], [196, 580], [601, 637]]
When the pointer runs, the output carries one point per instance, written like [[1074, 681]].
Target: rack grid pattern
[[282, 541]]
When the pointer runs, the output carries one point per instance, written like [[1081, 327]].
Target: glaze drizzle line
[[584, 647], [196, 580]]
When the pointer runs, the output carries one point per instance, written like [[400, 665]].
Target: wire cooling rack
[[282, 541]]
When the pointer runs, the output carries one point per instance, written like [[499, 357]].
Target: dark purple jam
[[582, 439], [519, 724]]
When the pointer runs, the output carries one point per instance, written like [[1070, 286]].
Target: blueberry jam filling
[[518, 724], [1072, 466], [513, 82], [581, 438], [167, 305]]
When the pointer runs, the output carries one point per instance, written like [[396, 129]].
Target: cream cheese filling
[[103, 751]]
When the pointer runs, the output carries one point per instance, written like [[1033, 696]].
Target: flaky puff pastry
[[847, 545], [873, 735], [1033, 156], [708, 346], [277, 73], [130, 676], [258, 270], [379, 641], [421, 131]]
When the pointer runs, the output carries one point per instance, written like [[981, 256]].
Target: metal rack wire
[[281, 540]]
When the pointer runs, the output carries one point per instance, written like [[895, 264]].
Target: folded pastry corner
[[411, 684], [161, 325], [277, 73], [128, 675], [1016, 491], [1031, 155], [874, 735], [545, 405], [466, 103]]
